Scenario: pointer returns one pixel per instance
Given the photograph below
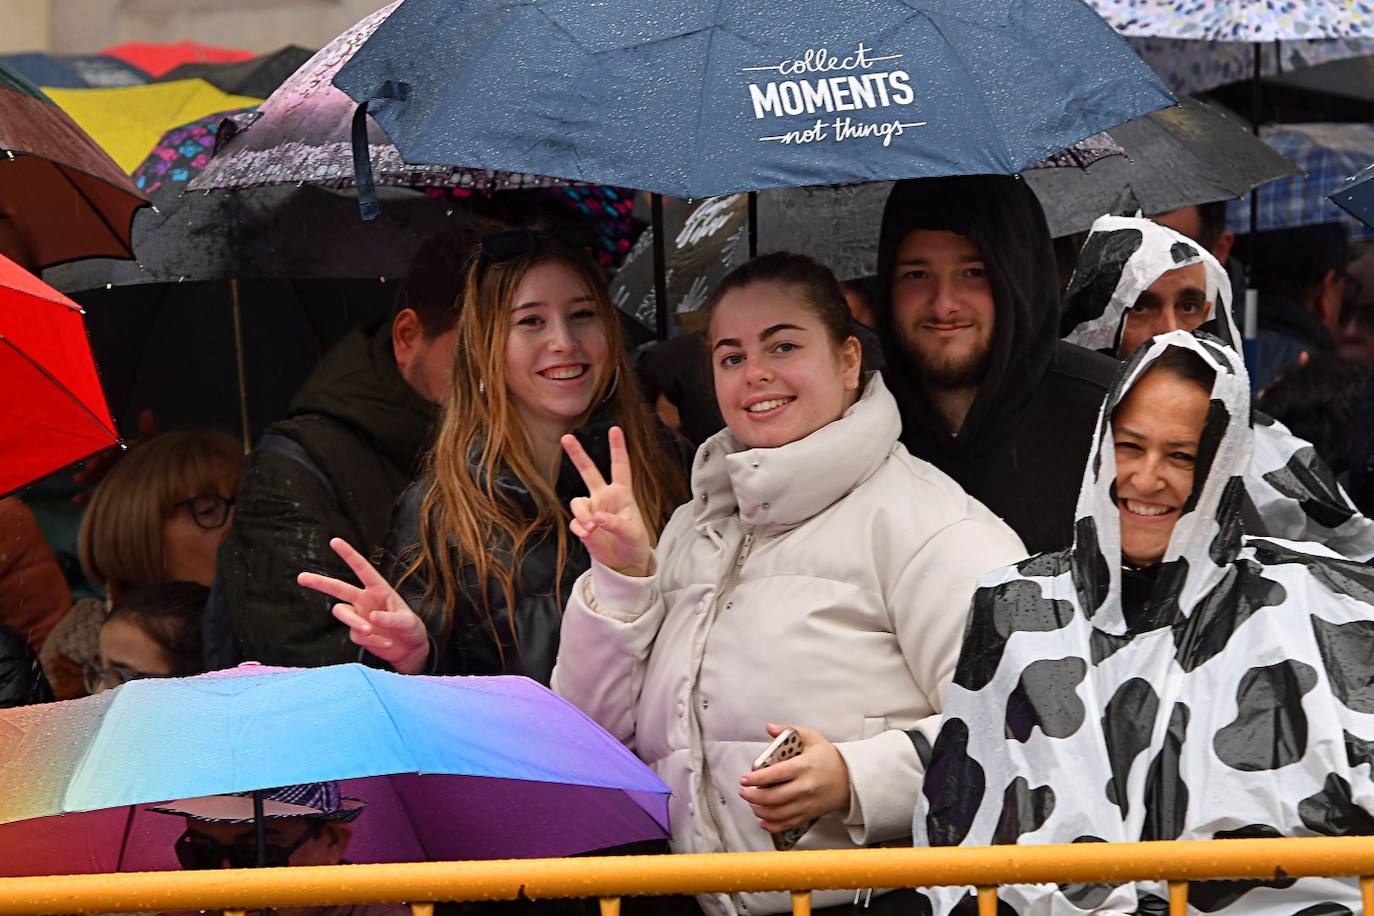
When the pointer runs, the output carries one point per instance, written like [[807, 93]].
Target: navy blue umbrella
[[1356, 196], [697, 99]]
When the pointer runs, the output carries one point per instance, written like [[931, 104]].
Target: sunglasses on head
[[197, 852], [514, 242]]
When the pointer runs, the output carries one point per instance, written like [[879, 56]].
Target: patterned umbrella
[[1328, 154], [61, 196], [1190, 66], [1240, 20]]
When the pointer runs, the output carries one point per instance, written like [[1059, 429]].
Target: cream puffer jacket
[[825, 584]]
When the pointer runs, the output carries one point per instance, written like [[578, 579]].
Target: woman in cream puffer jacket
[[820, 578]]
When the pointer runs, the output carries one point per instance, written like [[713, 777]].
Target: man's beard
[[948, 371]]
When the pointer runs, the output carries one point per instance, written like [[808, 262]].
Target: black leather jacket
[[519, 640], [21, 678]]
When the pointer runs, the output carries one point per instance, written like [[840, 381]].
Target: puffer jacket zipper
[[727, 586]]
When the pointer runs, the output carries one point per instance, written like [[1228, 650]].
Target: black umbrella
[[258, 77], [170, 347], [241, 257], [1182, 156]]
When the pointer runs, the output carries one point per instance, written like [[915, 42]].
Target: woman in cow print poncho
[[1166, 677], [1291, 491]]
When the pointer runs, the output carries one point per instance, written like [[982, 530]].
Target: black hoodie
[[1025, 440], [352, 442]]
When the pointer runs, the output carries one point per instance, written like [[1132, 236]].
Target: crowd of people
[[1020, 562]]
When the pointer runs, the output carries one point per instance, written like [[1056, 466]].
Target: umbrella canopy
[[258, 77], [128, 122], [451, 767], [287, 233], [157, 59], [1190, 154], [53, 412], [306, 270], [720, 98], [1191, 66], [61, 196], [1356, 196], [302, 133], [1240, 20], [1327, 155], [74, 71]]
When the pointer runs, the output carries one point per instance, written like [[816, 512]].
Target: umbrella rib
[[98, 212], [705, 78], [60, 387]]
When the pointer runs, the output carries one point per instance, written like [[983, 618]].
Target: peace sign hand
[[377, 618], [608, 521]]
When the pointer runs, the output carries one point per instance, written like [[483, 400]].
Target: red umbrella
[[157, 59], [53, 411], [62, 197]]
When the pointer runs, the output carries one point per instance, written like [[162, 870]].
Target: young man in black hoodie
[[968, 308]]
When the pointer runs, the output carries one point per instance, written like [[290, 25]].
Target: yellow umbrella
[[129, 121]]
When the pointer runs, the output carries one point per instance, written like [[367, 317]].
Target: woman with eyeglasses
[[158, 516], [153, 631], [481, 551]]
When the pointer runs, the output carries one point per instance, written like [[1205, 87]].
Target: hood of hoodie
[[1003, 218], [358, 383], [1207, 536], [1121, 257]]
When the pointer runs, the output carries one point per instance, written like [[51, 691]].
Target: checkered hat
[[319, 800]]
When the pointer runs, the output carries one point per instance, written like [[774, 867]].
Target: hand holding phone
[[785, 746]]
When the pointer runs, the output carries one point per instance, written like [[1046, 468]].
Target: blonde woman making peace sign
[[480, 545], [819, 579]]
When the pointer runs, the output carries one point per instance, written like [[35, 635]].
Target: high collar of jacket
[[594, 435], [785, 486], [1003, 218], [358, 383]]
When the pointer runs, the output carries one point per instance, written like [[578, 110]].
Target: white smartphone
[[784, 747]]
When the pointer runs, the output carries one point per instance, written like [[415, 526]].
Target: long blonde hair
[[482, 437]]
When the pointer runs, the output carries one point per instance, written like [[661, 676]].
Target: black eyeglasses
[[197, 852], [209, 512], [514, 242], [96, 677]]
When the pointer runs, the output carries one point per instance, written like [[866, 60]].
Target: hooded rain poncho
[[1293, 493], [1235, 701]]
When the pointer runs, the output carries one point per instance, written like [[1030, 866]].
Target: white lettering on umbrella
[[860, 89]]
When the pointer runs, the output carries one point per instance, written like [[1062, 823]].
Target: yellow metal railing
[[612, 877]]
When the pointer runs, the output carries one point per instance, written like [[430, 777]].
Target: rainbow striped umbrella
[[451, 767]]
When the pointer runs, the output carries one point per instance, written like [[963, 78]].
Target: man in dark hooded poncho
[[1167, 677], [968, 308]]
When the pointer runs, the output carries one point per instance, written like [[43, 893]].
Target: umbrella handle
[[362, 160]]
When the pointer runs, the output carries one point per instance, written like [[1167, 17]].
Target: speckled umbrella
[[61, 196], [302, 132], [1239, 20]]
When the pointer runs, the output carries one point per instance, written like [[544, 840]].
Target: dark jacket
[[528, 636], [1025, 441], [352, 442], [1286, 331], [21, 677]]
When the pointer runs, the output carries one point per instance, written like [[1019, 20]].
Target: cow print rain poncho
[[1238, 703], [1293, 493]]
